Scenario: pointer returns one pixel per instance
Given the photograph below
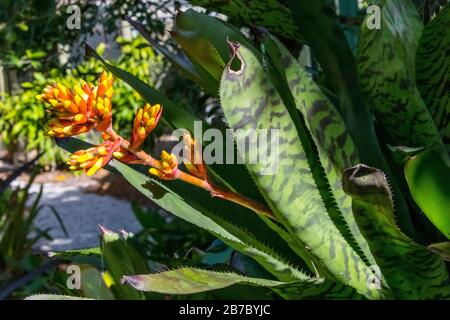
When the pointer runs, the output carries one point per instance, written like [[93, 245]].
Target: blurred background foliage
[[40, 26]]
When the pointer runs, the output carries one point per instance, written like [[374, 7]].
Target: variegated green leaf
[[189, 281], [328, 130], [250, 102], [433, 70], [386, 68], [318, 289], [409, 270]]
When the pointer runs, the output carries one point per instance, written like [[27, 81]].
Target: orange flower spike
[[145, 121], [168, 167], [69, 111], [102, 103], [192, 157]]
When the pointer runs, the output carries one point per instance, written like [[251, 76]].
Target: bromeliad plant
[[338, 228]]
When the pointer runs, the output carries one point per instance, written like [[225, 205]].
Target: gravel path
[[81, 214]]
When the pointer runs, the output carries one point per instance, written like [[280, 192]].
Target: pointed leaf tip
[[107, 235], [104, 230]]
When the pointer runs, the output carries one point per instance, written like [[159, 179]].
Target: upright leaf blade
[[93, 286], [328, 130], [250, 102], [212, 30], [122, 259], [200, 49]]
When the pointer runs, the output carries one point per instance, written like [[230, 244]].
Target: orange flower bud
[[92, 159], [168, 167], [145, 121], [70, 112], [192, 157]]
